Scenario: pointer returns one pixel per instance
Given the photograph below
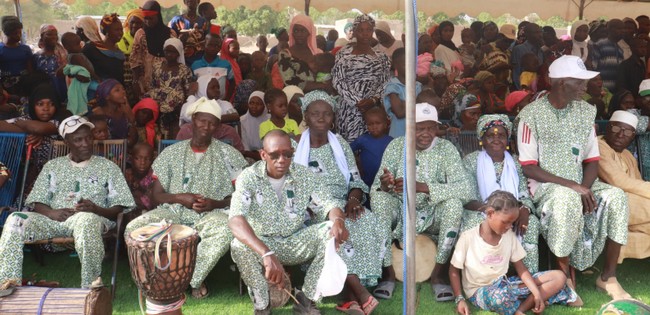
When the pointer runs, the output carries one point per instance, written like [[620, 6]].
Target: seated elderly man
[[193, 183], [558, 151], [76, 195], [619, 168], [267, 218], [442, 188]]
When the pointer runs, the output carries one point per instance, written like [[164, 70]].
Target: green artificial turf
[[224, 296]]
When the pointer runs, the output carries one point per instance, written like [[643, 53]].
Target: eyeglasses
[[626, 132], [276, 155]]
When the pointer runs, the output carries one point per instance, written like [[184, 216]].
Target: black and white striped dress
[[357, 77]]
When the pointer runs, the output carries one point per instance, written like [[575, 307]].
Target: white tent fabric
[[518, 8]]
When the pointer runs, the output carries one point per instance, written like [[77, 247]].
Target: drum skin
[[163, 286], [425, 259]]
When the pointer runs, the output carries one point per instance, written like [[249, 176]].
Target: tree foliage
[[244, 20], [252, 22]]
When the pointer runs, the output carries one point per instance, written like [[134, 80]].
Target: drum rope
[[42, 301], [153, 308], [163, 231]]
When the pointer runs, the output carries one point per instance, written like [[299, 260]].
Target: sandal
[[384, 290], [578, 302], [612, 288], [200, 293], [443, 292], [350, 307], [370, 305]]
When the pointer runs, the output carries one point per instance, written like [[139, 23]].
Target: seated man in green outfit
[[558, 151], [267, 218], [442, 188], [193, 183], [77, 195]]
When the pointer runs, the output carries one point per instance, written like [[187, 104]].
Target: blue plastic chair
[[602, 126], [165, 143], [11, 154]]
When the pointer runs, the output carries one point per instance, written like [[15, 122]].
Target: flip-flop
[[384, 290], [443, 292], [370, 305], [350, 307]]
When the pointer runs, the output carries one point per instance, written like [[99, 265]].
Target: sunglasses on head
[[74, 122]]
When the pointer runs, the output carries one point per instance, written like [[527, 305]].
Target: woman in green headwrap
[[329, 156], [494, 168]]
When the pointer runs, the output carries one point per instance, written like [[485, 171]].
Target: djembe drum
[[278, 297], [162, 259], [425, 259]]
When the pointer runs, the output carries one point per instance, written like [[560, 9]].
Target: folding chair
[[68, 241], [11, 155]]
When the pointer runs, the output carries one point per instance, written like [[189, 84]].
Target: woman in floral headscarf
[[494, 168], [296, 63], [359, 75], [105, 55]]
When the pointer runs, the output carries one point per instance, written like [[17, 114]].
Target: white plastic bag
[[332, 278]]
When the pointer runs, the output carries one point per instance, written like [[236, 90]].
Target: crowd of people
[[281, 150]]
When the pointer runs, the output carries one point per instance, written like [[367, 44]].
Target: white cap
[[625, 117], [72, 123], [644, 87], [570, 67], [425, 112]]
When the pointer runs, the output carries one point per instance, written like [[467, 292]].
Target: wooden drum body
[[163, 285], [39, 300]]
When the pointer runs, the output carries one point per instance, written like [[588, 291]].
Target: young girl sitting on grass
[[484, 254]]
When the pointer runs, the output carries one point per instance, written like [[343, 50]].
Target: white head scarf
[[250, 126], [91, 30], [204, 105], [203, 82], [179, 47], [579, 49]]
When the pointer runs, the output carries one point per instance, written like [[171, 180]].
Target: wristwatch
[[458, 299]]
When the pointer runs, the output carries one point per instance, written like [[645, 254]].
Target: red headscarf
[[150, 127], [225, 54], [307, 23]]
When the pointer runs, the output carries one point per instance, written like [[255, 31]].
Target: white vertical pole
[[411, 56]]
